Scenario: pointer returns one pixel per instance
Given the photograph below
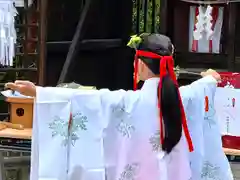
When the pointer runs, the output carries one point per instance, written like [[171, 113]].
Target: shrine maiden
[[121, 135]]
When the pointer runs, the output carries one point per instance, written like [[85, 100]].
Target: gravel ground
[[236, 170], [20, 170]]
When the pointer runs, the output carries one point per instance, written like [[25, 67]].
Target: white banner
[[227, 109]]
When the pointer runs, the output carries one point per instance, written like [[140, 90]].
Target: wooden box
[[21, 111]]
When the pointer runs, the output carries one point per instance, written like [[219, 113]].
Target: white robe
[[208, 161], [193, 100], [114, 135]]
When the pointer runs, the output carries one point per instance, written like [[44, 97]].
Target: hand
[[213, 73], [26, 88]]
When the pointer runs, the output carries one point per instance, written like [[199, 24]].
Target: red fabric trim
[[163, 72], [148, 54], [206, 104], [170, 65], [215, 12], [166, 67], [135, 80], [195, 42], [70, 122], [210, 46]]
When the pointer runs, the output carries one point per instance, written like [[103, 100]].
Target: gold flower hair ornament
[[134, 42]]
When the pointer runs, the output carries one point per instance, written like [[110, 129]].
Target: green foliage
[[149, 22]]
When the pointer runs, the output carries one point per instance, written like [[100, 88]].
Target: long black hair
[[170, 101]]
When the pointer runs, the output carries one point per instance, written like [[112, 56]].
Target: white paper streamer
[[204, 23], [20, 3], [7, 32]]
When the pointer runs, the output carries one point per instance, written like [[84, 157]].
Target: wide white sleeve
[[104, 99], [50, 137], [50, 94], [193, 97], [95, 123]]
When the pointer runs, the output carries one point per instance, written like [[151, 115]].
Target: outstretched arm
[[109, 99], [44, 94], [209, 81], [192, 89], [48, 94]]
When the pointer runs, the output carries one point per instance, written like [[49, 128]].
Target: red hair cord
[[163, 72], [170, 64], [135, 80]]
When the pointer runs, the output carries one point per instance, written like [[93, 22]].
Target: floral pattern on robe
[[124, 127], [130, 172], [59, 127], [155, 142], [210, 171], [79, 123]]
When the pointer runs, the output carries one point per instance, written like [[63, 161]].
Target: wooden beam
[[42, 44], [100, 44], [81, 27], [86, 44], [232, 10], [201, 60]]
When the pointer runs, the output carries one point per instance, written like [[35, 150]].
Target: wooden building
[[64, 41], [85, 41], [177, 21]]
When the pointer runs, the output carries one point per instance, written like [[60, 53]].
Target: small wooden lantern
[[21, 111]]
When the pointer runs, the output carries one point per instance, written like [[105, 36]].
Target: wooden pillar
[[163, 16], [231, 10], [42, 44], [123, 66]]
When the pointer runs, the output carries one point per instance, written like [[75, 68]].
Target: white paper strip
[[227, 108]]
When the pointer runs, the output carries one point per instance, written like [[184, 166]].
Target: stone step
[[235, 166]]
